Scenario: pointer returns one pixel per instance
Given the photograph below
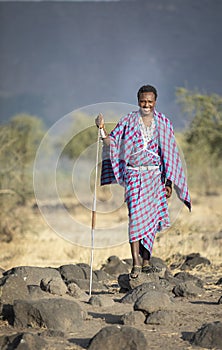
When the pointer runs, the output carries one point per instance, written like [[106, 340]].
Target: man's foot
[[136, 270], [151, 269]]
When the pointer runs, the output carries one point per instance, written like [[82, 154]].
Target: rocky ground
[[45, 301], [170, 307]]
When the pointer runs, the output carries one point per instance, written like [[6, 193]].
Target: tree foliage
[[203, 136], [19, 140]]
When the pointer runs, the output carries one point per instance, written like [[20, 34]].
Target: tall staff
[[94, 213]]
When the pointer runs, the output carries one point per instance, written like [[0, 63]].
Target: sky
[[58, 56]]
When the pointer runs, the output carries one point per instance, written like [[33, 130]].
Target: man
[[141, 155]]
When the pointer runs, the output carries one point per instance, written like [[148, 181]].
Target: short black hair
[[147, 88]]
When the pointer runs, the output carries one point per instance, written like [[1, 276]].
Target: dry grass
[[192, 232]]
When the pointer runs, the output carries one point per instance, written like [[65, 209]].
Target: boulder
[[54, 313], [185, 276], [53, 285], [162, 317], [71, 272], [33, 275], [152, 301], [84, 285], [35, 292], [209, 336], [86, 270], [187, 289], [144, 278], [115, 266], [101, 300], [22, 341], [137, 292], [133, 318], [192, 260], [102, 276], [75, 291], [12, 287], [126, 283], [80, 275], [118, 337]]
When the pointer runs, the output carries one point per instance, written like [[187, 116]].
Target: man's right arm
[[100, 123]]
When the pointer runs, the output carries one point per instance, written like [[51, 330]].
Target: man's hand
[[168, 191], [100, 121]]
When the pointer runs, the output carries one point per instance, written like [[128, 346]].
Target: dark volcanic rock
[[12, 287], [153, 301], [187, 289], [84, 285], [133, 318], [75, 291], [137, 292], [33, 275], [115, 266], [209, 336], [86, 270], [55, 313], [118, 337], [35, 292], [162, 317], [54, 286], [185, 276], [102, 276], [192, 260], [126, 283], [158, 263], [70, 273], [101, 300], [80, 275], [22, 341], [144, 278]]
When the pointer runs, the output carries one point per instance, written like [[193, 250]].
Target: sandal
[[136, 270]]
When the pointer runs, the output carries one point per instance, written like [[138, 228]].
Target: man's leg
[[136, 269], [135, 253], [146, 257]]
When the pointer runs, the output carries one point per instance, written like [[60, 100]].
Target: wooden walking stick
[[94, 213]]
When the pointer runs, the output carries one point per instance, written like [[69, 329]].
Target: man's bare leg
[[146, 257], [135, 253], [136, 259]]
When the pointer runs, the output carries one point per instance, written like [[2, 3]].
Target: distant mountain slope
[[58, 56]]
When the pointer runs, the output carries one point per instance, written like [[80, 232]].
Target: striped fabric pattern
[[145, 196], [125, 137], [145, 192]]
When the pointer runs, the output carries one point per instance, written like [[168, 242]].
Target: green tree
[[203, 136], [19, 140]]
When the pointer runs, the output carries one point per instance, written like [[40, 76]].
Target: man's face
[[147, 103]]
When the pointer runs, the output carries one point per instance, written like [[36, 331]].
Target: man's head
[[147, 88], [147, 96]]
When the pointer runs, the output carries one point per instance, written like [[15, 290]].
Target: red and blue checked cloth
[[145, 192]]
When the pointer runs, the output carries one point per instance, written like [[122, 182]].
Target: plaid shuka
[[144, 191]]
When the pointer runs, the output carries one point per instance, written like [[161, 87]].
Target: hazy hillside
[[59, 56]]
